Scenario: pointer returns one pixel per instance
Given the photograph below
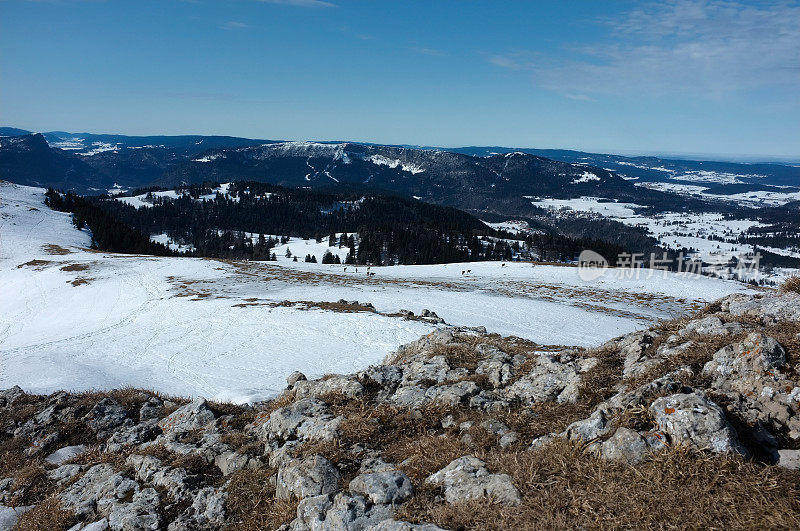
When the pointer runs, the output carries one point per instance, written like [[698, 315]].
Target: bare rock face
[[549, 380], [306, 477], [756, 356], [467, 478], [625, 446], [770, 308], [193, 416], [390, 487], [104, 492], [105, 415], [422, 345], [308, 418], [207, 511], [8, 396], [694, 420]]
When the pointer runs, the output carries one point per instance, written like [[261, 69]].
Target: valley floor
[[72, 318]]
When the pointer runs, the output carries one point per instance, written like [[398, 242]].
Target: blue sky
[[616, 76]]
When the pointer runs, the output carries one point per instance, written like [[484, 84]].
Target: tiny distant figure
[[345, 270], [356, 270], [469, 271], [462, 272], [503, 265]]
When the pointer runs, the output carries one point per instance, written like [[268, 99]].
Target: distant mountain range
[[486, 180]]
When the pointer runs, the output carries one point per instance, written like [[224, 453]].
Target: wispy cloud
[[233, 25], [300, 3], [433, 52], [711, 47], [579, 97]]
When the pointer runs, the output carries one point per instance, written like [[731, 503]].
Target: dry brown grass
[[252, 505], [31, 482], [48, 515], [54, 249], [81, 281], [601, 382], [75, 267], [563, 488], [791, 284], [34, 263]]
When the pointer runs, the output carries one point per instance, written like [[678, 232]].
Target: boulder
[[625, 446], [207, 511], [62, 455], [711, 325], [10, 515], [354, 512], [452, 395], [98, 490], [295, 377], [64, 473], [310, 476], [229, 462], [139, 515], [151, 409], [789, 459], [548, 380], [193, 416], [755, 356], [105, 415], [8, 396], [692, 419], [421, 347], [132, 435], [307, 419], [467, 478], [383, 487]]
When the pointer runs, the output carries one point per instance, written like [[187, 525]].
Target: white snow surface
[[586, 177], [75, 319], [597, 205], [380, 160]]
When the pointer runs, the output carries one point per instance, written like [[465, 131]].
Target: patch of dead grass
[[54, 249], [75, 267], [564, 488], [39, 264], [791, 284], [252, 505], [49, 515]]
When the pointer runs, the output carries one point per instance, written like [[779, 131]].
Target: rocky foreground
[[693, 423]]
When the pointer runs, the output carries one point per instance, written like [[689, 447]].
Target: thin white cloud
[[433, 52], [300, 3], [709, 47], [233, 25], [579, 97]]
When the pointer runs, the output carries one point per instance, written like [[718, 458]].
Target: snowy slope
[[80, 319]]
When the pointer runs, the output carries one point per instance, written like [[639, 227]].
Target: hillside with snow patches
[[78, 319]]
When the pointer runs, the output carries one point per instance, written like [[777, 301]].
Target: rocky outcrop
[[466, 479], [354, 451]]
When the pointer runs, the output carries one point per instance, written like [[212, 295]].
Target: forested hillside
[[248, 219]]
